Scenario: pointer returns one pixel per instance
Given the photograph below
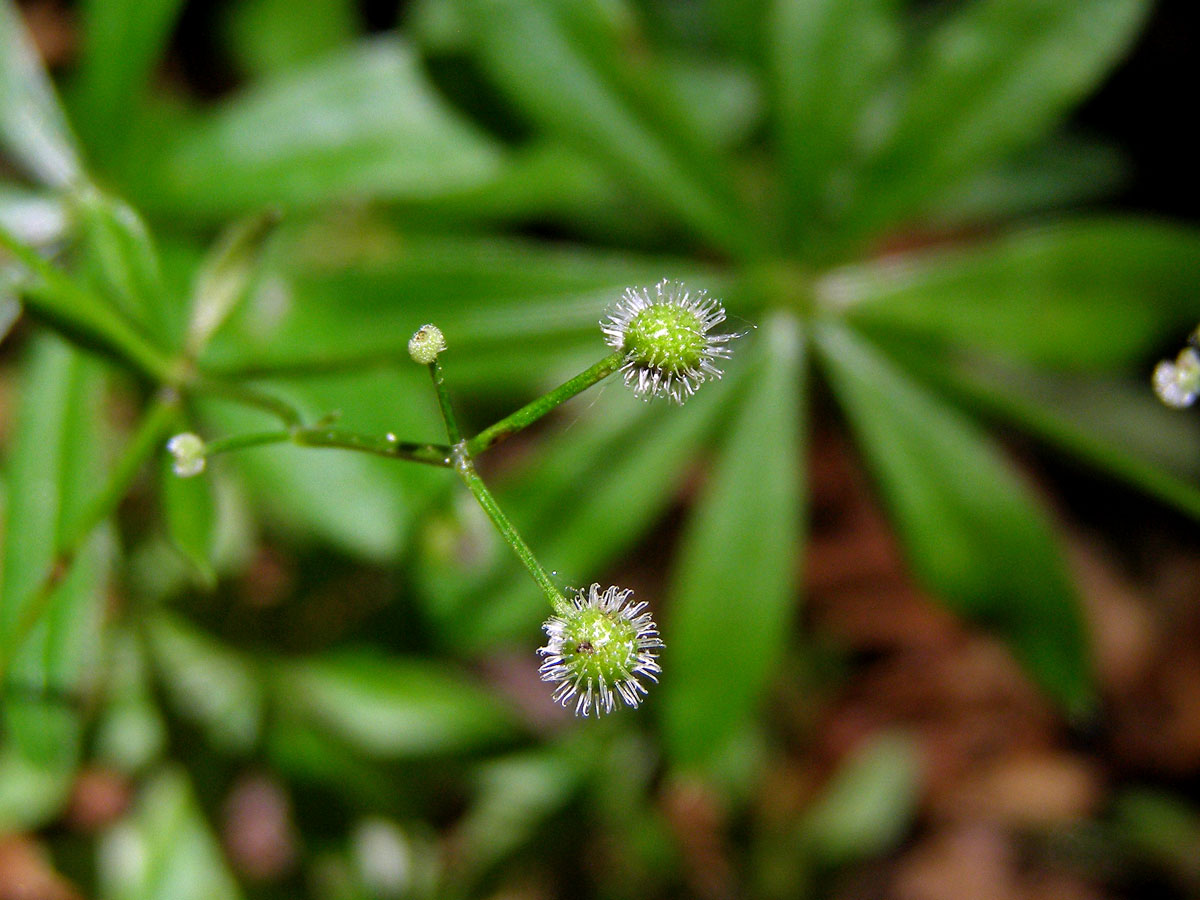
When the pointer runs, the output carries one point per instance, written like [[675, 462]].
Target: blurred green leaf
[[1054, 175], [267, 36], [122, 41], [973, 533], [189, 508], [164, 849], [515, 797], [50, 631], [122, 261], [1162, 828], [209, 682], [358, 124], [130, 731], [868, 806], [33, 130], [391, 707], [1086, 294], [1114, 424], [829, 59], [362, 504], [224, 277], [734, 584], [995, 76], [339, 296], [569, 67]]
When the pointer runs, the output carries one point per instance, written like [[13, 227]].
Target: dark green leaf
[[1116, 425], [50, 630], [1056, 174], [391, 707], [361, 123], [973, 533], [829, 58], [33, 130], [1086, 294], [570, 68], [267, 36], [992, 79], [734, 585], [164, 849]]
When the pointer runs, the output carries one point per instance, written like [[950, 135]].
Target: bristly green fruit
[[664, 333]]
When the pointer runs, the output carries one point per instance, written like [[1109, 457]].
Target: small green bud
[[425, 344], [669, 351], [598, 646], [189, 451]]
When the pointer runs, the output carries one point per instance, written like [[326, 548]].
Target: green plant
[[767, 151]]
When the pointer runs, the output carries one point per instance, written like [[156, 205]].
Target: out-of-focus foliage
[[505, 168]]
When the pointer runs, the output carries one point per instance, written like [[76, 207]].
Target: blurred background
[[925, 561]]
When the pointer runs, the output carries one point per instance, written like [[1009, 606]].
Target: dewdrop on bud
[[599, 649], [188, 450], [425, 344], [664, 333], [1178, 383]]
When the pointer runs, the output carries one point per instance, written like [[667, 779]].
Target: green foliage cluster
[[765, 150]]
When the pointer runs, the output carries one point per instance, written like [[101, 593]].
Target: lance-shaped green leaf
[[993, 78], [869, 804], [359, 124], [1086, 294], [972, 531], [190, 511], [734, 585], [33, 130], [829, 59], [122, 261], [267, 36], [164, 849], [1114, 424], [224, 277], [389, 707], [569, 67], [122, 40], [50, 627]]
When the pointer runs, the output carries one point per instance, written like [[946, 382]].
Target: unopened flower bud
[[425, 344], [188, 451]]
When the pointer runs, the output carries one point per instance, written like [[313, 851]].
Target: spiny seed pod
[[189, 452], [664, 332], [598, 649], [425, 344]]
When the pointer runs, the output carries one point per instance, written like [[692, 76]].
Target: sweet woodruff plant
[[602, 647]]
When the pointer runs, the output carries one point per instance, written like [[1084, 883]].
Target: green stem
[[531, 412], [153, 428], [465, 466], [439, 384], [430, 454]]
